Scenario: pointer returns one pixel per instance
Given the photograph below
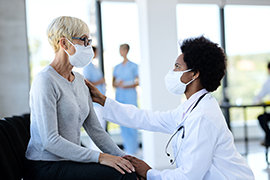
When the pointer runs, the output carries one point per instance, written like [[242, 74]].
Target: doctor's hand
[[95, 93], [118, 163], [141, 167]]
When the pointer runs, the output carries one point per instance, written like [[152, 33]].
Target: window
[[196, 20], [248, 50], [119, 25], [39, 15]]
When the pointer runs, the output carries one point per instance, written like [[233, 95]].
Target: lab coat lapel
[[180, 116]]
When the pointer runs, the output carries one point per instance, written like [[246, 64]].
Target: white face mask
[[82, 57], [174, 84]]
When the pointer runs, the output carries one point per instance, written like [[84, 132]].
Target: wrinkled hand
[[116, 162], [95, 93], [141, 167]]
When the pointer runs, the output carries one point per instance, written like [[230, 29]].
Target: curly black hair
[[202, 55]]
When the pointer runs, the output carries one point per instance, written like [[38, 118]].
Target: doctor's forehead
[[180, 60]]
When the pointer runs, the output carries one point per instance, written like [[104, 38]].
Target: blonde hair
[[124, 46], [65, 26]]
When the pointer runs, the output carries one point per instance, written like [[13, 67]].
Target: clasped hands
[[126, 163], [140, 166]]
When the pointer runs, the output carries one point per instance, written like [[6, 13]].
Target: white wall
[[14, 65], [158, 43]]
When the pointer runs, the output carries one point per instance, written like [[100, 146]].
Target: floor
[[255, 158]]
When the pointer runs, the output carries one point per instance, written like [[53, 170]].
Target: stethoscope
[[166, 147], [172, 161]]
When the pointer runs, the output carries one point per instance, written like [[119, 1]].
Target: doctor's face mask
[[174, 84]]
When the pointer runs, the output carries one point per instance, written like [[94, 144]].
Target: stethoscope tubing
[[166, 148], [181, 126]]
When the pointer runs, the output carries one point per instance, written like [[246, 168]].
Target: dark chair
[[14, 138]]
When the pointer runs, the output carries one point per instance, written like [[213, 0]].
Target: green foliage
[[246, 76]]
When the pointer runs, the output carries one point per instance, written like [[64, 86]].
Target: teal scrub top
[[127, 73], [94, 74]]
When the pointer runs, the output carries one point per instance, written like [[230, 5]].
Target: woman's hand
[[116, 162], [140, 166], [95, 93]]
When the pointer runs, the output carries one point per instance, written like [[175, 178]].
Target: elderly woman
[[202, 143], [60, 105]]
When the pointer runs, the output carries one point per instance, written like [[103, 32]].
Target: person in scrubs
[[202, 143], [94, 74], [264, 118], [125, 80]]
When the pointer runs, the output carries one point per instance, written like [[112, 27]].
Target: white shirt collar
[[188, 103]]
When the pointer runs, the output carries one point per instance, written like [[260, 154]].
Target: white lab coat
[[207, 150]]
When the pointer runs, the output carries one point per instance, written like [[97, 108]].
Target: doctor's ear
[[196, 75]]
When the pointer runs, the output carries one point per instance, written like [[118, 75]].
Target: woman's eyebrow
[[177, 64]]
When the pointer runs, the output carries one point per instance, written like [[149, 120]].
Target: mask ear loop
[[192, 78], [66, 52], [71, 44], [190, 82], [69, 41], [187, 70]]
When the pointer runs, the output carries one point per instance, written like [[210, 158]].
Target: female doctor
[[203, 145]]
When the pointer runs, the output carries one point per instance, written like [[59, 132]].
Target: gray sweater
[[59, 109]]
